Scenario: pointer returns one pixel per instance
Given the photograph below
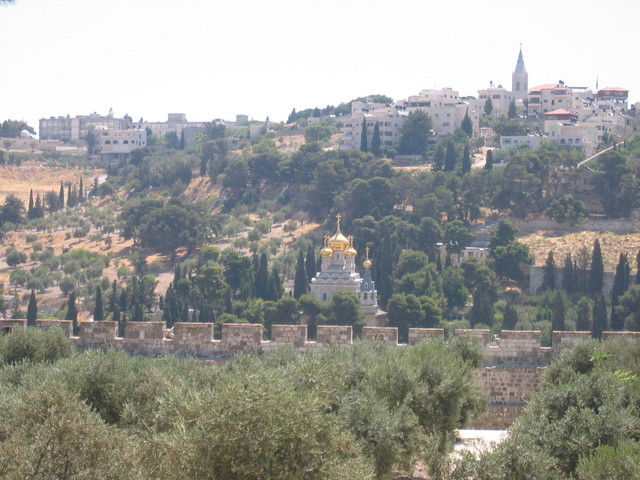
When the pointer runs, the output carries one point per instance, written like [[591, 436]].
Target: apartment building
[[118, 143], [389, 119], [77, 128]]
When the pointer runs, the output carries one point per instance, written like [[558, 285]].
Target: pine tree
[[488, 164], [32, 309], [30, 212], [549, 273], [376, 140], [568, 278], [510, 318], [300, 280], [451, 157], [61, 196], [466, 126], [558, 313], [310, 264], [599, 316], [364, 141], [72, 313], [98, 313], [466, 160], [596, 276]]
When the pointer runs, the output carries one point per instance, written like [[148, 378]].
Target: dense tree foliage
[[334, 414]]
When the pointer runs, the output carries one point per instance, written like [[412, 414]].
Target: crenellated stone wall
[[514, 360]]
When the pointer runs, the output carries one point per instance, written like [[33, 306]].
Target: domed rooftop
[[326, 251], [350, 252], [338, 242], [367, 263]]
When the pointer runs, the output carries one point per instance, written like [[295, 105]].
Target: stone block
[[192, 333], [241, 337], [7, 326]]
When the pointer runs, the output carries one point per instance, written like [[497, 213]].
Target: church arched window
[[518, 86]]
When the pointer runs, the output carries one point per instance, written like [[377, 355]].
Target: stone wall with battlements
[[514, 360]]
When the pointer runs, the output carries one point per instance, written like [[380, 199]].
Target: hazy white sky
[[213, 59]]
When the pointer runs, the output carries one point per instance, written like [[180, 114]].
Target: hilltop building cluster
[[562, 114], [570, 116]]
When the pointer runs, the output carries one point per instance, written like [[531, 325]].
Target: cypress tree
[[510, 318], [72, 313], [30, 212], [276, 282], [549, 273], [98, 312], [262, 277], [61, 196], [583, 322], [568, 280], [599, 316], [466, 126], [488, 106], [181, 144], [300, 281], [385, 269], [558, 313], [488, 164], [596, 276], [376, 141], [466, 160], [32, 309], [364, 141], [80, 192], [620, 285], [310, 263], [69, 198], [450, 157], [438, 157], [513, 112]]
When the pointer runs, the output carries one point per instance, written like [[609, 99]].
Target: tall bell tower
[[520, 79]]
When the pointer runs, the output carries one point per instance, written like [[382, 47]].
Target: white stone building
[[389, 119], [117, 143]]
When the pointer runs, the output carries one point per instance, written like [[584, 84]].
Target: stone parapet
[[144, 331], [497, 417], [65, 325], [484, 336], [564, 340], [241, 338], [417, 335], [334, 335], [97, 334], [386, 335], [288, 335]]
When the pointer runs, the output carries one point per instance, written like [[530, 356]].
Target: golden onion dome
[[338, 242], [350, 252], [326, 251], [367, 263]]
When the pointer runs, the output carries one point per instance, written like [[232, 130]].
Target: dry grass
[[612, 244], [32, 175]]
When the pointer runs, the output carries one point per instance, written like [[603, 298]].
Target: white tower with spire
[[520, 79]]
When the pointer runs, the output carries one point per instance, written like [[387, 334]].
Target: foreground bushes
[[354, 414]]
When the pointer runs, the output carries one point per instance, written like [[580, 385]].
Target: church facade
[[338, 273]]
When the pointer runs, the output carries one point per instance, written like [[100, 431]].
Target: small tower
[[520, 79], [367, 293]]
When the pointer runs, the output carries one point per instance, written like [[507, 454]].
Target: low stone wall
[[514, 361], [386, 335], [417, 335], [497, 417]]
